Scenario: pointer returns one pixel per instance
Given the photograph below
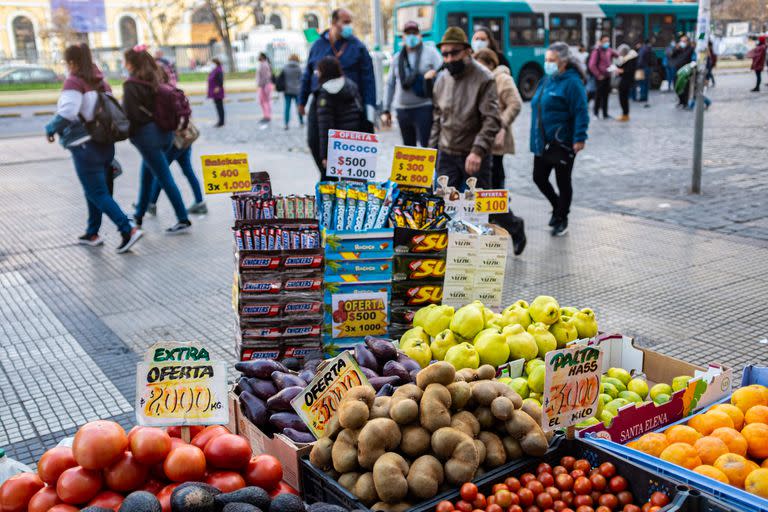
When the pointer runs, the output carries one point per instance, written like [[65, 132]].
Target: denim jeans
[[288, 99], [640, 91], [153, 144], [92, 163], [415, 125], [184, 157]]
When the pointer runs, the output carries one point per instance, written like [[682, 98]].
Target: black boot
[[515, 226]]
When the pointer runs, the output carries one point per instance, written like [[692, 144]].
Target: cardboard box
[[709, 385], [420, 241], [351, 245], [234, 409]]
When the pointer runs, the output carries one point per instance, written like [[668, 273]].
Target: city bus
[[524, 29]]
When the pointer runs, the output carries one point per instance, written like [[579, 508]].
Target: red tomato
[[631, 508], [598, 482], [535, 486], [609, 500], [513, 484], [564, 482], [583, 464], [283, 488], [176, 442], [554, 492], [264, 471], [559, 470], [225, 481], [184, 464], [164, 496], [526, 497], [494, 508], [603, 508], [567, 497], [526, 477], [618, 484], [152, 486], [515, 508], [645, 507], [559, 506], [654, 508], [547, 479], [127, 474], [107, 499], [444, 506], [490, 500], [608, 470], [533, 508], [54, 462], [98, 444], [499, 487], [133, 431], [576, 473], [595, 496], [567, 462], [544, 501], [78, 485], [581, 500], [503, 498], [464, 506], [201, 439], [42, 500], [625, 497], [16, 492], [585, 508], [543, 468], [228, 451], [63, 507], [193, 431], [582, 485], [480, 501], [150, 445], [659, 499]]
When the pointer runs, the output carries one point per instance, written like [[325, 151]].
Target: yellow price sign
[[225, 174], [491, 201], [414, 167], [356, 315]]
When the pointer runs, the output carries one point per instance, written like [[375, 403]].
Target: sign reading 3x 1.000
[[414, 167], [352, 155], [225, 174]]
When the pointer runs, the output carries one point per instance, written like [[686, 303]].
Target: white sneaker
[[90, 240], [178, 228], [129, 240]]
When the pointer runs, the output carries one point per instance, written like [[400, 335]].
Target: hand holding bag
[[184, 138], [555, 152]]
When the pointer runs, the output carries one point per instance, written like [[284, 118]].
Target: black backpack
[[109, 123], [279, 81]]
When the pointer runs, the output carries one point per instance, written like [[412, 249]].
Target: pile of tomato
[[572, 486], [105, 464]]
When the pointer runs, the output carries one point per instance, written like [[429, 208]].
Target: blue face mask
[[347, 31], [551, 68], [606, 45], [412, 40]]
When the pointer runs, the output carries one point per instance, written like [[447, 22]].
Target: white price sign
[[353, 155]]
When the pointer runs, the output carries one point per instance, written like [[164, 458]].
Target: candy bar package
[[419, 210], [276, 237], [270, 308], [252, 206], [299, 284], [415, 294], [357, 207], [419, 267]]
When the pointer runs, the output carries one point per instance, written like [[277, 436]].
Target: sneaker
[[152, 209], [129, 239], [553, 220], [90, 240], [178, 228], [561, 228], [198, 208]]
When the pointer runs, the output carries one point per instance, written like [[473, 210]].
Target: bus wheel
[[529, 80]]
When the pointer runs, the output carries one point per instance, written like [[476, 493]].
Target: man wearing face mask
[[599, 62], [682, 55], [466, 116], [407, 89], [340, 42]]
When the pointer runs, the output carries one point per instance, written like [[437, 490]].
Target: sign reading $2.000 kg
[[353, 155], [178, 384]]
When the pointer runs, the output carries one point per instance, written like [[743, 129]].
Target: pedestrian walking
[[757, 54], [339, 105], [93, 160], [626, 65], [643, 72], [407, 90], [140, 95], [338, 41], [600, 62], [264, 82], [466, 115], [711, 63], [510, 104], [559, 122], [290, 76], [216, 90], [681, 56], [669, 69], [483, 38]]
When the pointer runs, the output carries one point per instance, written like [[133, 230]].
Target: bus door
[[495, 25], [598, 27]]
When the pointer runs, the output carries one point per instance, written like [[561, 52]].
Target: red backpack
[[172, 110]]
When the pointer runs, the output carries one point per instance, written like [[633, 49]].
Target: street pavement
[[683, 274]]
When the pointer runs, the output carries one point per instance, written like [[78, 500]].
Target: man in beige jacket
[[466, 115]]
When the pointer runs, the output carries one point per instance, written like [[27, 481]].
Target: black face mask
[[456, 67]]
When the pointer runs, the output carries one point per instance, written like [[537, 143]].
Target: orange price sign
[[414, 167], [491, 201]]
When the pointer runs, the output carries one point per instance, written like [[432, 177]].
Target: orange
[[711, 472], [652, 444], [682, 454], [735, 467], [764, 464], [682, 434], [709, 421], [756, 435], [757, 483], [736, 442], [710, 448], [756, 414], [734, 412], [749, 396]]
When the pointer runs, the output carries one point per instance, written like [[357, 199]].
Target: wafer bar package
[[326, 197], [340, 207], [376, 195], [351, 207], [386, 205]]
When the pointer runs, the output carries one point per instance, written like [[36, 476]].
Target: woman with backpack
[[140, 98], [93, 160], [264, 81]]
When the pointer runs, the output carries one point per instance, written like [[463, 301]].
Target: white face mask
[[479, 44]]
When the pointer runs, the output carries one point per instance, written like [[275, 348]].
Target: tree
[[755, 11], [161, 17], [227, 15], [59, 33]]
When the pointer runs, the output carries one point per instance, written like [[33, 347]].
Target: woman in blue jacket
[[559, 124]]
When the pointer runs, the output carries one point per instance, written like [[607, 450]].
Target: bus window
[[526, 29], [421, 14], [662, 29], [597, 28], [495, 25], [565, 28], [458, 19], [629, 29]]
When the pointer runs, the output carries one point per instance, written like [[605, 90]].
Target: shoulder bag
[[555, 152]]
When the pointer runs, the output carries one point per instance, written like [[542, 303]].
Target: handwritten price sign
[[359, 314], [352, 155], [571, 386], [414, 167], [491, 201], [178, 384], [225, 174]]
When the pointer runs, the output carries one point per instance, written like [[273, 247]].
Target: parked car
[[28, 75]]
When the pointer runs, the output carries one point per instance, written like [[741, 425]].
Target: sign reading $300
[[178, 384]]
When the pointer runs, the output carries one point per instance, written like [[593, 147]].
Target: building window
[[565, 28], [203, 16], [24, 36], [311, 21], [662, 27], [458, 19], [526, 29], [129, 36], [275, 21], [629, 29]]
